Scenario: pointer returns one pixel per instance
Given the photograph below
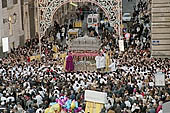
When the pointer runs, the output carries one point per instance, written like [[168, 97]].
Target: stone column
[[26, 21], [1, 22], [36, 16]]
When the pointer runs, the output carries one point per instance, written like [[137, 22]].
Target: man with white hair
[[113, 65], [39, 110]]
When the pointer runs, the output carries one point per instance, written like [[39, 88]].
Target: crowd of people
[[139, 29], [29, 86], [32, 86]]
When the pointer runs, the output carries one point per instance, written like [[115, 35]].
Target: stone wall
[[160, 28], [16, 32]]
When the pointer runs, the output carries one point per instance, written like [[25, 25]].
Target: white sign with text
[[95, 96], [121, 45], [5, 44], [159, 79]]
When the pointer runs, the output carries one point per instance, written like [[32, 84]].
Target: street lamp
[[11, 19]]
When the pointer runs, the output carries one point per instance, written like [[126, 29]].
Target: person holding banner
[[112, 66]]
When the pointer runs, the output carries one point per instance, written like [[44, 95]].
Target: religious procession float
[[84, 50]]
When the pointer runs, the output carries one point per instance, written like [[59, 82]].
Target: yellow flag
[[55, 49], [32, 58], [38, 57], [92, 107]]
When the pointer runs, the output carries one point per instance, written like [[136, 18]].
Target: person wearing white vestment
[[98, 66], [103, 62], [58, 36], [112, 66]]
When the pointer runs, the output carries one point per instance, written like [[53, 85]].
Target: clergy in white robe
[[112, 66], [97, 58], [103, 62]]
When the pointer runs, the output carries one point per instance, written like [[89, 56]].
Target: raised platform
[[85, 66]]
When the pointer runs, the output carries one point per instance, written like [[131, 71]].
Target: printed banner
[[121, 45], [5, 44], [159, 79], [95, 96]]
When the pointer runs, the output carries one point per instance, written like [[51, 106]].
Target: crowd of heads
[[32, 86]]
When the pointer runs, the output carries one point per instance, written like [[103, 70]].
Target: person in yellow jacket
[[107, 61], [63, 58], [55, 48]]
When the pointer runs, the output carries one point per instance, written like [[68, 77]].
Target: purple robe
[[69, 63]]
